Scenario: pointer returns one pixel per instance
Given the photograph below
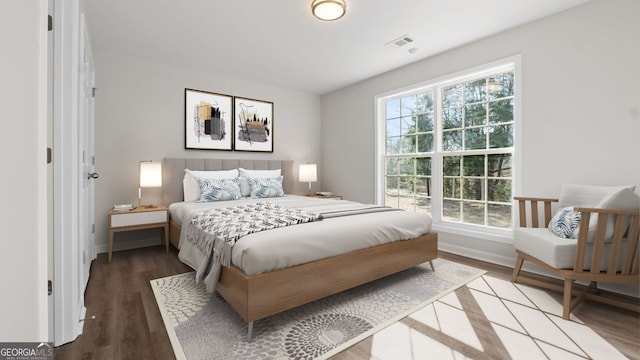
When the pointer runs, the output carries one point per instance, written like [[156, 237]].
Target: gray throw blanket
[[215, 231]]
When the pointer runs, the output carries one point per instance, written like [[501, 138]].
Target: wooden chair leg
[[566, 301], [516, 268]]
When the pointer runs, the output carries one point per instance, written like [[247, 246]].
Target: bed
[[258, 293]]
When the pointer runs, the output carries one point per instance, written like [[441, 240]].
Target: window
[[409, 131], [447, 147]]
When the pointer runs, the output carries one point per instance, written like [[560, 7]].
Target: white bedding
[[279, 248]]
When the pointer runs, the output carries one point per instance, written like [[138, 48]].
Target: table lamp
[[150, 176], [308, 173]]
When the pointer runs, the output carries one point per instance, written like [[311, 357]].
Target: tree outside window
[[469, 128]]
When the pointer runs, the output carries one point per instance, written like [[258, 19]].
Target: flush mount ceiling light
[[328, 9]]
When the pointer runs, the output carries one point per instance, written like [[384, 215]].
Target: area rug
[[203, 326]]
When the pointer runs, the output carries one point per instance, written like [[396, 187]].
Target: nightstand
[[137, 219], [334, 196]]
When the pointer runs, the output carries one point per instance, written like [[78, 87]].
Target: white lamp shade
[[150, 174], [308, 173], [328, 9]]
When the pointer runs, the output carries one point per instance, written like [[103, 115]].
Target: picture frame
[[208, 120], [253, 125]]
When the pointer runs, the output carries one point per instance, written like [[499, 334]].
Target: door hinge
[[50, 23], [50, 287], [93, 91], [93, 160], [49, 156], [93, 228]]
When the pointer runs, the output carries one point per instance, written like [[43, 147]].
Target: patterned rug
[[203, 326]]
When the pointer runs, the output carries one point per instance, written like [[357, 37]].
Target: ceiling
[[279, 42]]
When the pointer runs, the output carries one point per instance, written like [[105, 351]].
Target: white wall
[[580, 108], [23, 248], [140, 116]]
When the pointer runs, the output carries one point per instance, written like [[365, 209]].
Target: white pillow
[[256, 174], [623, 199], [587, 195], [605, 197], [191, 188]]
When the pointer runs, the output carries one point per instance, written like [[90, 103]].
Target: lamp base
[[144, 206], [148, 206]]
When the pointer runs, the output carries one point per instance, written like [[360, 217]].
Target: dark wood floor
[[128, 324]]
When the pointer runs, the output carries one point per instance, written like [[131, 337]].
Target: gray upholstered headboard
[[173, 172]]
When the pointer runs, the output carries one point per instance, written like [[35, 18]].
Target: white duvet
[[279, 248]]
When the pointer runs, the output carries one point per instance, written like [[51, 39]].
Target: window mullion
[[436, 162]]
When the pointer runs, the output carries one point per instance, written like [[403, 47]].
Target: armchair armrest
[[626, 223], [533, 207]]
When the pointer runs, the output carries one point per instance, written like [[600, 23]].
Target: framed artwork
[[253, 125], [208, 120]]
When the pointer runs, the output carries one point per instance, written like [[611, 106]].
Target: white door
[[73, 238], [87, 158]]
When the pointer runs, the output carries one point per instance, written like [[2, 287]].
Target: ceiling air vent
[[399, 42]]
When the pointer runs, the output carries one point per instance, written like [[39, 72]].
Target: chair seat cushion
[[555, 251], [545, 246]]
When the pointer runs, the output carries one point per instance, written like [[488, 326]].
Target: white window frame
[[511, 63]]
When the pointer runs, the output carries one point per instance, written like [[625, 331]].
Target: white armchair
[[593, 236]]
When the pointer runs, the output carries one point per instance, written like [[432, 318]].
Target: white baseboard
[[495, 252], [498, 258]]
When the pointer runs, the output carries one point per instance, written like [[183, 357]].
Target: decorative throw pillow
[[218, 189], [565, 223], [190, 186], [265, 187], [245, 174]]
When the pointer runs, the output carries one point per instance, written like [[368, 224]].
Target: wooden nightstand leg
[[110, 244], [166, 238]]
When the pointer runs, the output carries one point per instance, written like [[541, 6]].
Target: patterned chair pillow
[[265, 187], [565, 223], [218, 189]]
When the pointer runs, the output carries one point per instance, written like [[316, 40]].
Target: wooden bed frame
[[255, 297]]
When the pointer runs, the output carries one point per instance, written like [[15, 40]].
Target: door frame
[[50, 218]]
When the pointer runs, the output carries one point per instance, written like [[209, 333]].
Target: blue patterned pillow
[[218, 189], [565, 223], [266, 187]]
